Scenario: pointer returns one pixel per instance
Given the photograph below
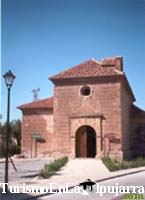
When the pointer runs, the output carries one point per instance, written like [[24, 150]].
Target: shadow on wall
[[138, 143]]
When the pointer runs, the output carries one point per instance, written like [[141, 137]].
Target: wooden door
[[81, 142]]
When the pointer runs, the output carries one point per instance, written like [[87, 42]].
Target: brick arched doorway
[[85, 142]]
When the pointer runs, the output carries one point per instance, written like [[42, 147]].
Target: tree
[[15, 138], [16, 131]]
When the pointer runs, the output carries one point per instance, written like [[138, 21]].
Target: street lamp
[[9, 78]]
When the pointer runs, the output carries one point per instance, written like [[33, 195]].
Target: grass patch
[[50, 169], [116, 165], [112, 166]]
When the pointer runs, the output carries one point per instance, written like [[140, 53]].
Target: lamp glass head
[[9, 78]]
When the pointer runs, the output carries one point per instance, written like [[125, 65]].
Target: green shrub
[[134, 163], [46, 171], [50, 169], [116, 165], [57, 164], [110, 164]]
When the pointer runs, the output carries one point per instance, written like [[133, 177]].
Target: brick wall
[[37, 121], [104, 98], [126, 103]]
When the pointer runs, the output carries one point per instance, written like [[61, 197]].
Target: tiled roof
[[44, 103], [90, 68]]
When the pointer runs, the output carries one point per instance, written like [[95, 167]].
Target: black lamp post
[[9, 78]]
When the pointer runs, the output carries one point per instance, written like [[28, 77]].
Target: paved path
[[78, 170]]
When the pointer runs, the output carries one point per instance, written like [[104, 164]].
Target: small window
[[85, 90]]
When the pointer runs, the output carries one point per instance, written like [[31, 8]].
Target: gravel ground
[[26, 169]]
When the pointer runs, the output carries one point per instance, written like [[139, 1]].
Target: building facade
[[90, 115]]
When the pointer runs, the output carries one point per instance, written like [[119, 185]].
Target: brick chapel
[[90, 115]]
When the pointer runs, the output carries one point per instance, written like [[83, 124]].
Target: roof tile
[[90, 68], [44, 103]]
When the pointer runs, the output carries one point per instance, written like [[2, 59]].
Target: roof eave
[[58, 80], [32, 108]]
